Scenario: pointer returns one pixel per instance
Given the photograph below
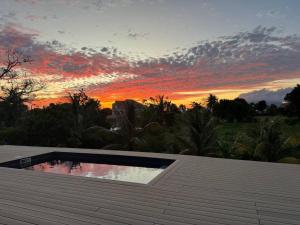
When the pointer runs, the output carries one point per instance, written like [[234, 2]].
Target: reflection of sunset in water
[[105, 171]]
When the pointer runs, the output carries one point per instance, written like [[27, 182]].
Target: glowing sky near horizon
[[119, 49]]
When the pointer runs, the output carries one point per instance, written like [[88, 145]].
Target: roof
[[193, 190]]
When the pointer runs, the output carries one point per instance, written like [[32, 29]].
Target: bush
[[12, 136], [233, 110], [97, 137], [265, 142], [291, 160]]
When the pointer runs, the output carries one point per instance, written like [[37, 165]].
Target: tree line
[[156, 125]]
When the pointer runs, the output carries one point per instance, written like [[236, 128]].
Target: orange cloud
[[227, 67]]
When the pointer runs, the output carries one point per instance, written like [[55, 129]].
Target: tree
[[261, 106], [92, 115], [17, 88], [127, 120], [272, 110], [233, 110], [196, 106], [161, 110], [13, 59], [49, 126], [211, 101], [133, 135], [87, 113], [182, 108], [127, 130], [201, 133], [12, 107], [293, 101], [78, 100], [265, 142]]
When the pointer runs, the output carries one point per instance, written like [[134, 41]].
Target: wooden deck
[[193, 190]]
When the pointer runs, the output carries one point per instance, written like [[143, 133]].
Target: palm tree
[[134, 135], [201, 138], [161, 110], [265, 143], [211, 101], [127, 121], [226, 149]]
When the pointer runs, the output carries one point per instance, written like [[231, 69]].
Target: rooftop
[[192, 190]]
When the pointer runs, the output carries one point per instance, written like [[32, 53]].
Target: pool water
[[98, 170]]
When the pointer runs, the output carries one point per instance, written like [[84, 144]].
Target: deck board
[[193, 190]]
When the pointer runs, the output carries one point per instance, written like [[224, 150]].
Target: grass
[[290, 128], [228, 131]]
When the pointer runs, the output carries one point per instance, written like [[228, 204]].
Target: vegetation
[[223, 128], [293, 103], [201, 133]]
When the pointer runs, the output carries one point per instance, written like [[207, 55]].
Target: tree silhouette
[[293, 101], [233, 110], [16, 89], [157, 125], [13, 59], [211, 101], [160, 109], [78, 100], [261, 106]]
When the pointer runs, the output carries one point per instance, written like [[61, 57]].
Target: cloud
[[8, 17], [135, 35], [271, 97], [270, 14], [252, 57], [57, 87], [243, 61], [53, 57], [35, 17], [258, 46], [67, 68]]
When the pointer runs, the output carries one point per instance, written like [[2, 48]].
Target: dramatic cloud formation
[[228, 66]]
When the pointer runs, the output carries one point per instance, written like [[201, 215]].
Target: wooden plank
[[12, 221], [32, 210], [196, 190]]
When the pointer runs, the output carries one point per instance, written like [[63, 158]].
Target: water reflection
[[105, 171]]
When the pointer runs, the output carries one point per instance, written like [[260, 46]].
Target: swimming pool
[[114, 167]]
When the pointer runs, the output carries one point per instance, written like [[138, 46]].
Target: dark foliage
[[261, 106], [211, 101], [293, 102], [200, 138], [233, 110], [265, 142], [161, 110], [158, 125], [50, 126]]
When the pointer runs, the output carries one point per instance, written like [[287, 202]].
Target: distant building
[[120, 108]]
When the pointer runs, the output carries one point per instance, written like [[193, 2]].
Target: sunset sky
[[120, 49]]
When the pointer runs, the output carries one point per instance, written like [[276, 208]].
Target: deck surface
[[193, 190]]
